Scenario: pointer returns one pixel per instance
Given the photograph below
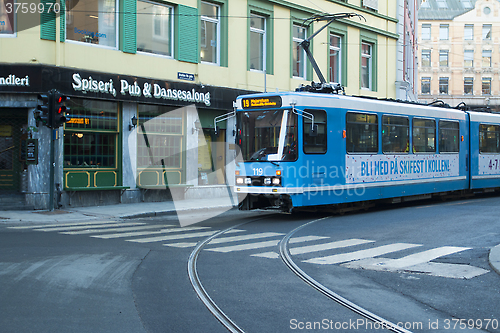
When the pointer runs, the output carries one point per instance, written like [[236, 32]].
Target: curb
[[174, 211], [494, 258]]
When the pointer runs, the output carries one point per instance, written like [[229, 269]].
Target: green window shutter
[[128, 26], [48, 21], [186, 33]]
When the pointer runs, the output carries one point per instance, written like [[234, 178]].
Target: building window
[[469, 32], [487, 10], [489, 138], [467, 4], [257, 42], [486, 85], [335, 58], [395, 134], [154, 28], [443, 85], [426, 85], [442, 4], [90, 137], [366, 65], [443, 32], [468, 58], [424, 135], [93, 21], [426, 58], [486, 31], [443, 58], [426, 31], [315, 144], [468, 86], [210, 33], [7, 24], [449, 134], [486, 58], [299, 55], [425, 4], [362, 133]]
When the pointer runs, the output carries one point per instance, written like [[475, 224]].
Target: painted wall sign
[[381, 168], [87, 84]]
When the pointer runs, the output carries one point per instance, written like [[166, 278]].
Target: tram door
[[11, 144]]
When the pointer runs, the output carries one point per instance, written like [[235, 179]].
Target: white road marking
[[82, 227], [244, 237], [328, 246], [61, 224], [144, 233], [423, 257], [362, 254], [259, 245], [174, 237], [93, 231]]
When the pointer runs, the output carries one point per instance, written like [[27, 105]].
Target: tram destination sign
[[261, 102]]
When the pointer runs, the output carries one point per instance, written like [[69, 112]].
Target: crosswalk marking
[[423, 257], [60, 224], [244, 237], [144, 233], [362, 254], [174, 237], [328, 246], [82, 227], [93, 231], [259, 245]]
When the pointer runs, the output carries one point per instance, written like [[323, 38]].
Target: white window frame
[[338, 49], [425, 27], [469, 56], [469, 28], [444, 29], [370, 65], [426, 52], [486, 54], [486, 28], [217, 22], [69, 18], [156, 37], [303, 52], [264, 41]]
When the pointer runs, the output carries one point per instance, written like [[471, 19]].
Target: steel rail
[[286, 257]]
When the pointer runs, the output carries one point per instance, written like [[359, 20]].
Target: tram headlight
[[239, 180], [248, 181], [267, 181], [276, 181]]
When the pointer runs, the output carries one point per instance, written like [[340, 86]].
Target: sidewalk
[[120, 211]]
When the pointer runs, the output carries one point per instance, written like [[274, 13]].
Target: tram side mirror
[[314, 130]]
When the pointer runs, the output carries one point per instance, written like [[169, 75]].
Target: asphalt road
[[423, 266]]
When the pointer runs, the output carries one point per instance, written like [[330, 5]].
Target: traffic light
[[60, 110], [43, 112]]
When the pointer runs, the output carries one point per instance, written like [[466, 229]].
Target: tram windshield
[[268, 135]]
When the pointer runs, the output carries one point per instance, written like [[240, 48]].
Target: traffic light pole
[[52, 151]]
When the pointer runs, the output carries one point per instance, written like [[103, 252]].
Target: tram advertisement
[[489, 164], [377, 168]]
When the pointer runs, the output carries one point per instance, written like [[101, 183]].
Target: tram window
[[316, 143], [424, 135], [362, 133], [395, 134], [489, 138], [449, 136]]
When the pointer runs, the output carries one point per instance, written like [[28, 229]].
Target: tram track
[[287, 259], [284, 252]]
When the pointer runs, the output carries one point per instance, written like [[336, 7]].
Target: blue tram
[[302, 150]]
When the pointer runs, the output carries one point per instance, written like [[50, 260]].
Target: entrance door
[[11, 137]]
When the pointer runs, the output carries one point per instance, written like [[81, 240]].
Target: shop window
[[90, 137], [92, 21], [489, 138], [449, 136], [315, 142], [395, 134], [7, 24], [362, 133], [154, 28], [424, 135]]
